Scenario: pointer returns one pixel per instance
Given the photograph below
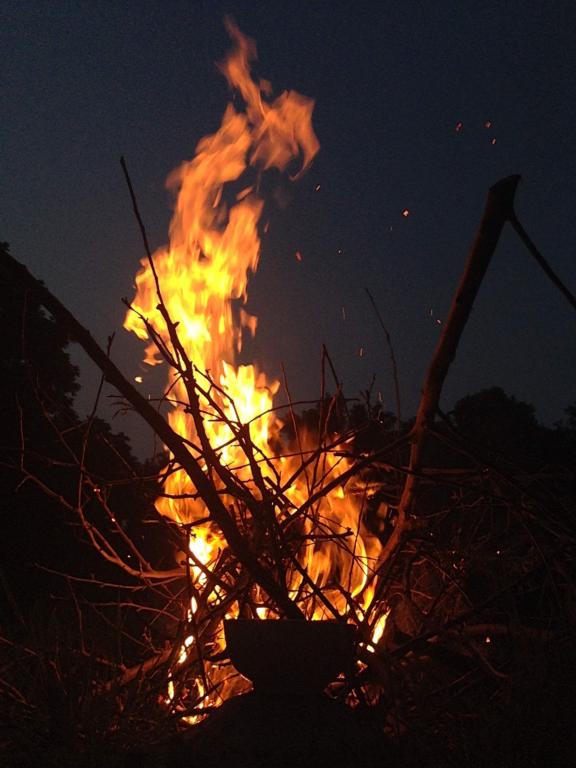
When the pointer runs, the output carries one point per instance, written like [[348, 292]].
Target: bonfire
[[386, 539]]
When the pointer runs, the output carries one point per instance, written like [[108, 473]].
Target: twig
[[523, 235], [392, 360]]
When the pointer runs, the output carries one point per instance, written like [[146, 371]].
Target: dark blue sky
[[85, 82]]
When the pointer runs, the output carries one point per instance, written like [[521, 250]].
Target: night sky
[[409, 100]]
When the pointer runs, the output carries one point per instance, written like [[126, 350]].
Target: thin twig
[[392, 360], [528, 242]]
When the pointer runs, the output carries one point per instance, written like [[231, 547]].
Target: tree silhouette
[[500, 426], [37, 387], [42, 434]]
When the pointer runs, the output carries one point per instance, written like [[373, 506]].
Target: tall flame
[[203, 277]]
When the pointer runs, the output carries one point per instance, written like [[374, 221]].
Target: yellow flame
[[203, 276]]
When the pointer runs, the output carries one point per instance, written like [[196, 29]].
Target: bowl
[[286, 656]]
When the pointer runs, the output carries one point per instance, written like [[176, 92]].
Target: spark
[[406, 213], [488, 124], [493, 141], [298, 256], [317, 188], [138, 379], [343, 313], [459, 127], [436, 319]]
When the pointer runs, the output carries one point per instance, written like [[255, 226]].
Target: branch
[[498, 209], [523, 235], [392, 360]]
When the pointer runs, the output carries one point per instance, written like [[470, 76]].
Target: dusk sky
[[419, 107]]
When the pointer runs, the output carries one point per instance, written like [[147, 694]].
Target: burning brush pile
[[454, 570], [272, 530]]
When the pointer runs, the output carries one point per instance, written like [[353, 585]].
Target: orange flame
[[203, 278]]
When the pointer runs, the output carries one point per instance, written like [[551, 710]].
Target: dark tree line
[[60, 601], [38, 383]]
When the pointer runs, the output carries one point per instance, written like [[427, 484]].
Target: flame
[[201, 278]]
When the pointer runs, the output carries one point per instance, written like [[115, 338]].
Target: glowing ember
[[203, 277]]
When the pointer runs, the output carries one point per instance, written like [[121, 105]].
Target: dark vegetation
[[476, 666]]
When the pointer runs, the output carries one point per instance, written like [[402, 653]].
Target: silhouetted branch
[[523, 235], [498, 210], [392, 360]]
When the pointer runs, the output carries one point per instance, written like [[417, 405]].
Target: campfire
[[432, 573], [297, 506]]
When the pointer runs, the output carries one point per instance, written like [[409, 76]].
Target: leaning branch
[[498, 209]]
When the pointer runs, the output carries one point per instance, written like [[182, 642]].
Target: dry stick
[[392, 360], [498, 209], [311, 480], [337, 382], [142, 227], [523, 235], [13, 270], [303, 466], [194, 621], [84, 477]]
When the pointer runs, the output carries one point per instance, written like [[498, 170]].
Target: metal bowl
[[287, 656]]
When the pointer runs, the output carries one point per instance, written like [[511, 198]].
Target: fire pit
[[289, 656]]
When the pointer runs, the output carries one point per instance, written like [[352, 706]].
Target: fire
[[201, 278]]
